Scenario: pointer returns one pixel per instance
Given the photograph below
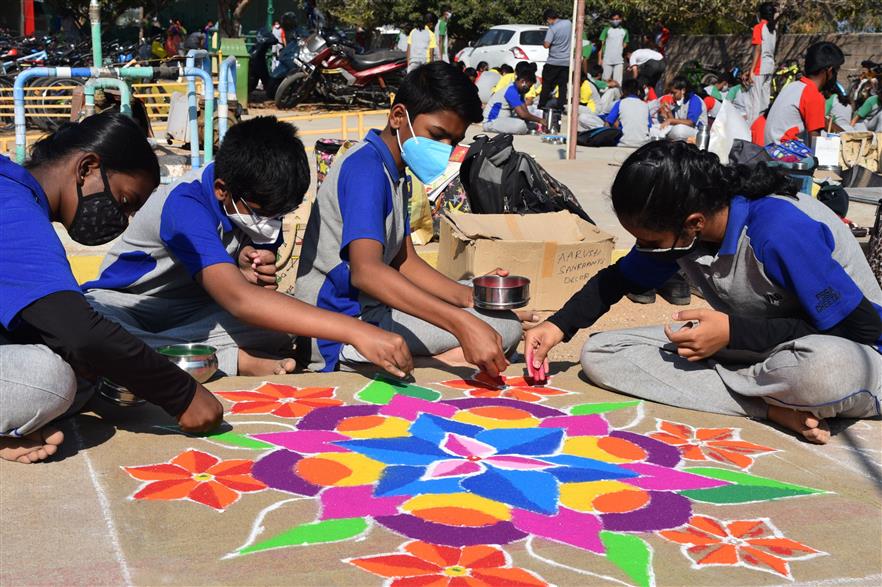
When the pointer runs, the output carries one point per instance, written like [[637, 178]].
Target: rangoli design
[[462, 478], [519, 388]]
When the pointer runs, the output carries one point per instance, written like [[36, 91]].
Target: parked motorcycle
[[333, 71]]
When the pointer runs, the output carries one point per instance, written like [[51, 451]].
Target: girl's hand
[[700, 341], [541, 340]]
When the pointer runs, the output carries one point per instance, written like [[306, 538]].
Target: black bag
[[835, 198], [599, 137], [746, 153], [500, 180], [874, 250]]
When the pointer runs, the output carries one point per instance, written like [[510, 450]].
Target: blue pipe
[[226, 84], [208, 95], [18, 96]]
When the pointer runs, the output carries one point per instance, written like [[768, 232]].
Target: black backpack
[[500, 180], [599, 137]]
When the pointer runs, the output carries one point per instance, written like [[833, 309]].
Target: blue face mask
[[426, 158]]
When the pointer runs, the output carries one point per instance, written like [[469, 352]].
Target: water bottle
[[702, 139]]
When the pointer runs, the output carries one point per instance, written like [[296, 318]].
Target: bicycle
[[700, 76], [783, 76]]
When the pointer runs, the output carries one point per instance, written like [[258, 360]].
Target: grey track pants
[[512, 125], [161, 321], [427, 340], [36, 387], [825, 375]]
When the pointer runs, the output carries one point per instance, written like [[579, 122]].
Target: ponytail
[[662, 183], [116, 139]]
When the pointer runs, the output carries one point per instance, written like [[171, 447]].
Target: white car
[[508, 43]]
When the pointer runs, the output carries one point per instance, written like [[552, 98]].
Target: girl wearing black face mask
[[795, 333], [88, 176]]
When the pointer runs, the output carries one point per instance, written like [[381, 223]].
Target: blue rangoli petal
[[433, 428], [523, 441], [403, 480], [396, 451], [611, 470], [534, 491]]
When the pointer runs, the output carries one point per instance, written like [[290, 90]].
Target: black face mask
[[831, 84], [670, 255], [99, 218]]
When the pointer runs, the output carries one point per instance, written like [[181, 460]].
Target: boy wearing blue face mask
[[197, 264], [358, 257]]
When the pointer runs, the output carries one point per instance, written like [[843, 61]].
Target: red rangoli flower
[[519, 388], [196, 476], [755, 544], [419, 564], [280, 400], [702, 444]]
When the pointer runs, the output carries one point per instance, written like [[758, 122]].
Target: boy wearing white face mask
[[197, 264], [358, 257]]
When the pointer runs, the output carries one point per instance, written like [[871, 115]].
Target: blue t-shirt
[[180, 231], [363, 197], [33, 263], [502, 106]]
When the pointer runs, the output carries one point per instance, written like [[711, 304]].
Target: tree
[[230, 15], [111, 10]]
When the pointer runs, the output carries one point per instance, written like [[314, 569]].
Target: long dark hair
[[115, 138], [766, 11], [663, 182]]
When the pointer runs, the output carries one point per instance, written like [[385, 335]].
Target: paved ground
[[764, 508]]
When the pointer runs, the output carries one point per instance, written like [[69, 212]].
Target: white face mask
[[260, 229]]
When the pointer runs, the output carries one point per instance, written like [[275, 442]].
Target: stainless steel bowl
[[117, 394], [492, 292], [199, 360]]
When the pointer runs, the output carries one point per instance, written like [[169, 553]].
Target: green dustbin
[[236, 48]]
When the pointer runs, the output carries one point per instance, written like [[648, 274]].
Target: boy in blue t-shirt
[[358, 258], [507, 110], [197, 263]]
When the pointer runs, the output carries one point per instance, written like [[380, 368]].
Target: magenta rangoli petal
[[465, 447], [516, 462], [410, 408], [592, 425], [452, 468], [656, 478], [357, 502], [567, 527], [305, 441]]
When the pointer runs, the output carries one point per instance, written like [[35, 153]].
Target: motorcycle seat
[[375, 58]]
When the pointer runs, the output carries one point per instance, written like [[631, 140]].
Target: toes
[[50, 449], [52, 436]]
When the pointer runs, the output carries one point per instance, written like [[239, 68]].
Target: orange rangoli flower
[[755, 544], [419, 564], [520, 388], [280, 400], [196, 476], [702, 444]]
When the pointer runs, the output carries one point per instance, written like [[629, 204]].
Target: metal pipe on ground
[[193, 112], [226, 85], [18, 96], [125, 94]]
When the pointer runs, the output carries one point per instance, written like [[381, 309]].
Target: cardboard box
[[558, 251]]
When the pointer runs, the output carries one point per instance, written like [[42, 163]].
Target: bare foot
[[813, 429], [452, 358], [253, 365], [36, 446]]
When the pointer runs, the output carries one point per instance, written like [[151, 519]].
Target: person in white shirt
[[647, 66], [613, 40]]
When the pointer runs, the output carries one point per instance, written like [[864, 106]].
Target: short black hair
[[527, 75], [505, 68], [482, 65], [263, 161], [550, 14], [522, 66], [438, 86], [470, 72], [616, 13], [681, 83], [630, 87], [596, 71], [822, 55]]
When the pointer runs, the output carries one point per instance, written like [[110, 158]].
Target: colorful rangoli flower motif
[[419, 564], [519, 388], [280, 400], [196, 476], [477, 471], [755, 544], [703, 444]]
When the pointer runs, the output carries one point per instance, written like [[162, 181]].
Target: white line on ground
[[105, 507]]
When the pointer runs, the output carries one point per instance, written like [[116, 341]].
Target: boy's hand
[[258, 266], [481, 345], [386, 350], [528, 318], [697, 342], [204, 413], [541, 340]]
